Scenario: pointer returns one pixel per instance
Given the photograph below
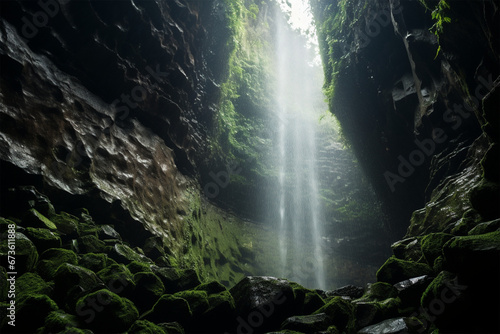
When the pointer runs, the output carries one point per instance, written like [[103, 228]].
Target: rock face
[[417, 128], [100, 110]]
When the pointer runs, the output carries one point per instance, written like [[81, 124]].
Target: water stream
[[300, 218]]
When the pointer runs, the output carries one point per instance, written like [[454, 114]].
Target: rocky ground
[[70, 274]]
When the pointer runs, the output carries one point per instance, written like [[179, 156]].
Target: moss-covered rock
[[52, 258], [486, 227], [26, 255], [96, 262], [395, 270], [473, 255], [169, 308], [379, 291], [118, 279], [432, 245], [340, 312], [154, 247], [108, 232], [146, 327], [72, 282], [176, 280], [66, 224], [172, 327], [264, 295], [106, 312], [221, 313], [148, 288], [33, 218], [211, 287], [59, 320], [307, 323], [91, 244], [306, 300], [197, 300], [30, 284], [43, 238], [122, 253], [407, 249], [32, 313], [139, 267]]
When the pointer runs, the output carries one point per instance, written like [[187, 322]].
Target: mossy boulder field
[[118, 289], [250, 166]]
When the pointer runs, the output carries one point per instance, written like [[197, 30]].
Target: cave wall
[[419, 120], [111, 106]]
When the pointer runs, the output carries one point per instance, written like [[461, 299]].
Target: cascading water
[[300, 219]]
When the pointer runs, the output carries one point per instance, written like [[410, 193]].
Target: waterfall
[[300, 219]]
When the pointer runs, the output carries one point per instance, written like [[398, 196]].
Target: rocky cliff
[[413, 84]]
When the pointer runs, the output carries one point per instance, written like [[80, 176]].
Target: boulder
[[395, 270], [410, 290], [432, 245], [219, 317], [486, 227], [176, 280], [30, 284], [341, 313], [108, 232], [148, 288], [23, 198], [43, 238], [307, 323], [91, 244], [407, 249], [26, 253], [52, 258], [32, 313], [118, 279], [106, 312], [122, 253], [139, 267], [72, 282], [169, 308], [350, 291], [389, 326], [473, 255], [33, 218], [57, 321], [66, 224], [96, 262], [262, 303], [146, 327]]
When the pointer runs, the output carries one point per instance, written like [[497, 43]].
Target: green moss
[[91, 244], [30, 284], [145, 327], [117, 315], [58, 320], [211, 287], [118, 278], [136, 267], [395, 270], [36, 219], [66, 223], [341, 313], [43, 238], [197, 300], [52, 258], [96, 262], [432, 245], [473, 254], [71, 281]]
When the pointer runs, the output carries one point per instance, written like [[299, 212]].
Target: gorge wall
[[417, 98]]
